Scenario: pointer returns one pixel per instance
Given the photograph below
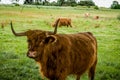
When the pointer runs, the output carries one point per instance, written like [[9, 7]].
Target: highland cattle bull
[[60, 55], [62, 22]]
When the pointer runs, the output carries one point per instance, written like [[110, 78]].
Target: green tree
[[86, 3], [96, 7], [60, 2], [71, 3], [115, 5], [32, 1], [28, 2], [45, 2]]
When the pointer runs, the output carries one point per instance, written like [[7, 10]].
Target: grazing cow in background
[[96, 17], [60, 55], [62, 22], [87, 15]]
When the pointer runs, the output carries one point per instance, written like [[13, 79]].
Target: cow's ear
[[50, 39]]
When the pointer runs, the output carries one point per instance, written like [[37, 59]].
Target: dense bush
[[71, 3], [86, 3], [96, 7]]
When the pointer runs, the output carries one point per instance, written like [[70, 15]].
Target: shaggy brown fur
[[60, 55], [62, 22]]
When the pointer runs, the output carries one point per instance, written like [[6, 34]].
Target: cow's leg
[[78, 77], [61, 78], [70, 25], [67, 25], [58, 77], [92, 71], [54, 78]]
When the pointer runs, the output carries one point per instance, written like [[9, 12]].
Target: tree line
[[61, 2], [88, 3]]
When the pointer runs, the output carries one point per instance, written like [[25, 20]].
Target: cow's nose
[[32, 54]]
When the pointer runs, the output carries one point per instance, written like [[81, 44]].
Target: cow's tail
[[56, 25]]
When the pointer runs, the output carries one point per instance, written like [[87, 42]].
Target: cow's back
[[83, 52]]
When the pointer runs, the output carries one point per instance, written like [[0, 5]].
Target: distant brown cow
[[63, 22], [60, 55], [87, 15], [96, 17]]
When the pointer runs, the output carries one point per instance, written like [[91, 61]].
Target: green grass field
[[15, 65]]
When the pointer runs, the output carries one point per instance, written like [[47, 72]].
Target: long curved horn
[[55, 30], [16, 34]]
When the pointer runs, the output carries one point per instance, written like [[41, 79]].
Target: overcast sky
[[104, 3], [101, 3]]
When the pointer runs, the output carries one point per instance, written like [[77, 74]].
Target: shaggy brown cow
[[62, 22], [62, 54]]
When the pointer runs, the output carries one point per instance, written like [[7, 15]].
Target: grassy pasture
[[14, 65]]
